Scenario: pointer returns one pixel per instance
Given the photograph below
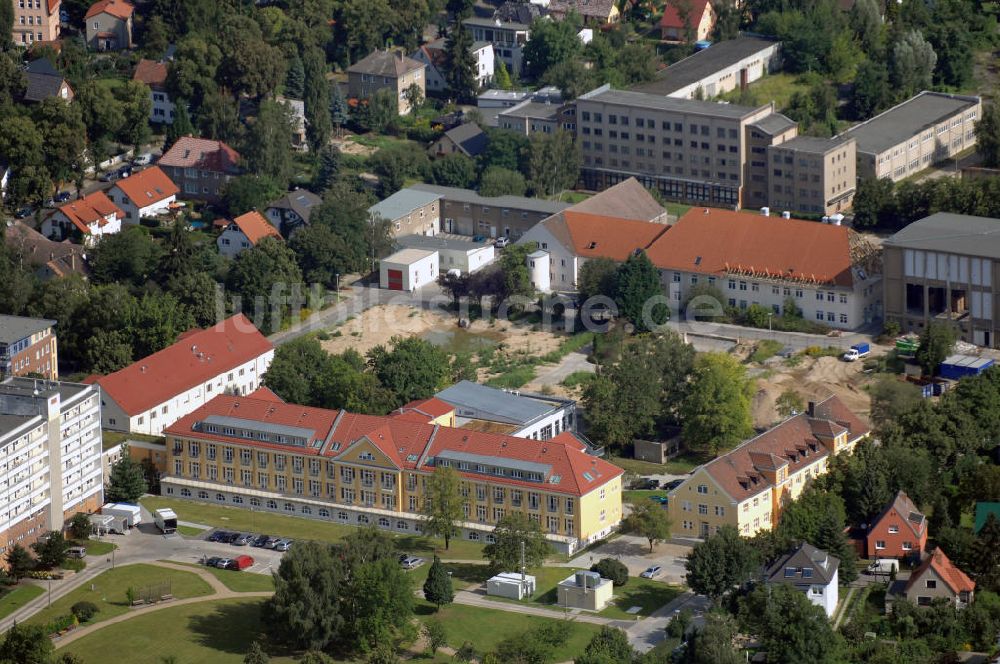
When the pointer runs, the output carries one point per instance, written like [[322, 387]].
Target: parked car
[[63, 196], [479, 238], [403, 556], [501, 242], [260, 541], [284, 545], [145, 159], [412, 562], [243, 540], [76, 552], [272, 542], [213, 561], [218, 536], [125, 171], [223, 563], [645, 484], [24, 212], [660, 499], [651, 572], [110, 176], [672, 484], [232, 538]]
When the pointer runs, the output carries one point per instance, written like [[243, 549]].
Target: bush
[[61, 623], [74, 564], [84, 611], [609, 568]]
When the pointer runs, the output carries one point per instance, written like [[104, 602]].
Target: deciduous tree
[[554, 164], [649, 520], [498, 181], [988, 134], [511, 532], [19, 562], [936, 343], [639, 294], [716, 411], [411, 367], [443, 507], [789, 626], [721, 563]]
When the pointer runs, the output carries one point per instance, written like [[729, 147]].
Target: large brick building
[[28, 346]]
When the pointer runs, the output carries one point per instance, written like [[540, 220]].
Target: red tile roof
[[908, 512], [192, 360], [408, 444], [715, 241], [147, 187], [202, 153], [954, 578], [117, 8], [672, 17], [431, 408], [95, 207], [265, 393], [794, 443], [594, 235], [152, 73], [255, 227]]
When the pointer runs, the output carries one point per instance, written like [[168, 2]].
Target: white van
[[883, 566], [76, 552]]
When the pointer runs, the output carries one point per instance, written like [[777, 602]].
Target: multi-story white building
[[146, 396], [50, 434]]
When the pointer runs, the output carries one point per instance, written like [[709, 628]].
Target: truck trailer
[[165, 520], [125, 516]]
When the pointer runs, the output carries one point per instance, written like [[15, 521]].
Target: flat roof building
[[812, 175], [456, 252], [465, 212], [484, 408], [944, 268], [28, 346], [913, 135]]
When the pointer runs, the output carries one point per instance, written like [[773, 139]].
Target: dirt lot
[[379, 324], [813, 379], [347, 146]]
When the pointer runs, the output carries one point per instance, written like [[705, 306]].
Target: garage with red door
[[408, 270]]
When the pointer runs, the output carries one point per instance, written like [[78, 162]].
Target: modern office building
[[28, 346], [50, 434], [912, 136], [362, 469], [944, 268]]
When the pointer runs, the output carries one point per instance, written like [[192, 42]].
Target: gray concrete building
[[912, 136], [465, 212], [945, 268], [812, 175], [412, 212]]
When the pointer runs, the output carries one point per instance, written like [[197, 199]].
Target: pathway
[[220, 591], [475, 599], [645, 634]]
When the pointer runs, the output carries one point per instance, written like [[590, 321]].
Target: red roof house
[[144, 194], [900, 531], [244, 232], [687, 20], [93, 216], [937, 578], [200, 167]]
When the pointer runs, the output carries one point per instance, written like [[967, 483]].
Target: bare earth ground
[[814, 379], [348, 146]]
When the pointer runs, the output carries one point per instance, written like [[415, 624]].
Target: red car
[[240, 563]]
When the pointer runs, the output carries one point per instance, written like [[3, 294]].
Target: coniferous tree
[[19, 562], [501, 77], [340, 112], [295, 78], [127, 482], [317, 100], [256, 655], [181, 126], [460, 69], [327, 169], [437, 588]]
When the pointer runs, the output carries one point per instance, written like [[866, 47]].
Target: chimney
[[811, 408], [399, 54]]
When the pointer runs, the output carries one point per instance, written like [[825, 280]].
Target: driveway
[[634, 553], [646, 634]]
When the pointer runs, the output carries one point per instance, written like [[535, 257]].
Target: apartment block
[[50, 434], [812, 175], [944, 268], [28, 346], [465, 212], [361, 469], [774, 129], [691, 151], [748, 487], [912, 136], [507, 37], [386, 70], [35, 21]]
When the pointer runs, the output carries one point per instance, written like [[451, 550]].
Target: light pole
[[50, 593], [769, 315], [338, 288]]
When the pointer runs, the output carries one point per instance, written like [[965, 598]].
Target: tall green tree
[[721, 563], [181, 126], [988, 134], [317, 100], [26, 645], [511, 531], [552, 42], [460, 66], [501, 77], [554, 164], [267, 149], [252, 67], [295, 77], [597, 277], [454, 170], [255, 654], [444, 506], [608, 646], [911, 63], [713, 642], [340, 112], [936, 343], [136, 107], [129, 257], [308, 608], [437, 587], [498, 181], [639, 294], [51, 550], [716, 410], [263, 277], [411, 367], [649, 520], [789, 626], [127, 482], [19, 562]]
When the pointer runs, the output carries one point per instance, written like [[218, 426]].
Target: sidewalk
[[475, 599], [60, 589]]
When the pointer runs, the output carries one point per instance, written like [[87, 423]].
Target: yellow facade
[[362, 476]]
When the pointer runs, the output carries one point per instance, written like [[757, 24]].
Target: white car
[[651, 572], [223, 563], [412, 562], [501, 242], [144, 159]]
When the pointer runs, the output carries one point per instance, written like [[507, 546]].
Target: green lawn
[[18, 597], [677, 209], [214, 632], [234, 518], [578, 379], [241, 582], [679, 465], [634, 495], [96, 547], [110, 587], [463, 575], [190, 531], [778, 88], [573, 197]]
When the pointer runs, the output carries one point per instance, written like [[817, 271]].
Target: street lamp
[[769, 315], [338, 288]]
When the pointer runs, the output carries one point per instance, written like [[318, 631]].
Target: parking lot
[[200, 549], [634, 552]]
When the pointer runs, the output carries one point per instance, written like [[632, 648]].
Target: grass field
[[96, 547], [774, 87], [573, 197], [677, 209], [679, 465], [244, 520], [241, 582], [634, 495], [190, 531], [18, 597], [110, 587]]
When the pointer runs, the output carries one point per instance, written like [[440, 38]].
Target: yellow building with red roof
[[363, 469]]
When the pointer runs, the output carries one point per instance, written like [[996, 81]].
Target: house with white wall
[[230, 357], [244, 232], [94, 216], [147, 193], [810, 570], [434, 55]]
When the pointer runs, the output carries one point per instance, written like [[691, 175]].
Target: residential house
[[467, 213], [525, 415], [292, 210], [28, 346], [109, 25], [411, 212], [518, 11], [596, 13], [93, 216], [44, 81], [200, 167], [535, 117], [297, 108], [467, 139], [811, 571], [50, 437], [687, 21], [230, 357], [434, 57], [726, 66], [154, 74], [386, 70], [944, 268], [938, 578], [900, 531], [244, 232], [912, 136], [148, 193], [371, 470], [35, 21], [749, 486], [507, 37], [49, 258]]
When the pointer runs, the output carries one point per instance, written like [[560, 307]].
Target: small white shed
[[408, 269], [511, 585]]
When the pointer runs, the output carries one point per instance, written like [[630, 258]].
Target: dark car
[[124, 171], [672, 484], [24, 212], [63, 196], [217, 536], [260, 541], [244, 540], [232, 538], [110, 176], [646, 484], [213, 561], [479, 238]]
